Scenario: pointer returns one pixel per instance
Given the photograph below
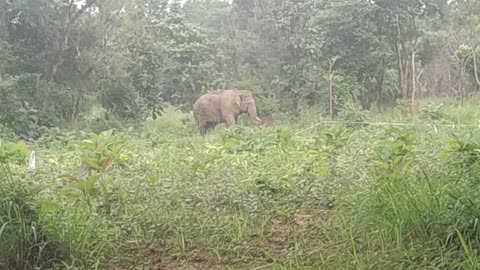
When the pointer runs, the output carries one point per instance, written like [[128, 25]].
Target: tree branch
[[82, 10], [58, 60]]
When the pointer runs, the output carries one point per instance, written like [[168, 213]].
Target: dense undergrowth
[[296, 196]]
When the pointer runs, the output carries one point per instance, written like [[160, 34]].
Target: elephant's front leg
[[229, 120]]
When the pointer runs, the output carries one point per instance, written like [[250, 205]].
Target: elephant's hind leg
[[207, 127]]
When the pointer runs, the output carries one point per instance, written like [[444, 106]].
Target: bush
[[410, 204], [171, 119], [23, 240], [6, 132], [432, 111], [29, 104]]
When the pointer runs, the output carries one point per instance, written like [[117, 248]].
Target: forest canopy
[[67, 61]]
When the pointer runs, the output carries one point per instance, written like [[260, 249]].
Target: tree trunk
[[475, 67], [404, 75], [330, 87], [461, 87], [403, 66], [421, 86], [331, 76], [380, 85], [414, 78], [63, 46]]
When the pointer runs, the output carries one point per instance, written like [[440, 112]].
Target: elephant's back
[[206, 100], [206, 103], [207, 108]]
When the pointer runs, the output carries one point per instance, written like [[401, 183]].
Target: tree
[[72, 14], [361, 45], [403, 33], [465, 37], [59, 60]]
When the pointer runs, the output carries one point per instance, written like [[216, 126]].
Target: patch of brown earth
[[156, 257]]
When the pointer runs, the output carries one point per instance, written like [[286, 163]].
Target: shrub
[[28, 104], [170, 120], [23, 240]]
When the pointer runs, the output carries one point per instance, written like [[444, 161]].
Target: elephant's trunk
[[252, 112]]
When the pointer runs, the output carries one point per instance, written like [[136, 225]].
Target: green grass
[[330, 197]]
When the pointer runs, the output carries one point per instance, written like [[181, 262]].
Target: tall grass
[[288, 197]]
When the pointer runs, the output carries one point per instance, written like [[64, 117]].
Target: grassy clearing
[[331, 197]]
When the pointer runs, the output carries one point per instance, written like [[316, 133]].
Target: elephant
[[223, 106]]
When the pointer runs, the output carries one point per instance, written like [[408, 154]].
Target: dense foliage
[[71, 63]]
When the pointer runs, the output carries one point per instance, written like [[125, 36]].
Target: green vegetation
[[98, 63], [102, 91], [331, 196]]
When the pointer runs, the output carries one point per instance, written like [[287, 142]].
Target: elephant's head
[[247, 104]]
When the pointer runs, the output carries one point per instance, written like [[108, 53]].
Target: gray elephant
[[223, 106]]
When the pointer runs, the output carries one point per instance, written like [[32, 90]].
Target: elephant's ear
[[246, 97], [238, 100]]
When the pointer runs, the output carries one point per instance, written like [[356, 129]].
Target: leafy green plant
[[11, 153], [466, 147], [432, 111], [97, 153], [56, 137], [396, 153], [252, 140], [331, 142], [352, 112]]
